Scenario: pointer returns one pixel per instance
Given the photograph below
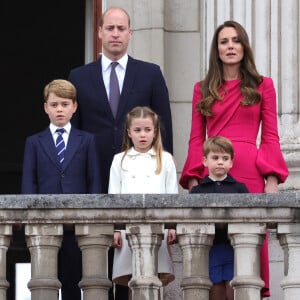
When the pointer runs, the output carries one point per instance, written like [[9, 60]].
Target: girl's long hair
[[250, 78], [144, 112]]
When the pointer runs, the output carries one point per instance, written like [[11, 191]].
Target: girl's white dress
[[137, 176]]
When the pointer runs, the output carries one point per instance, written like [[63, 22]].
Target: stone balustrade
[[145, 216]]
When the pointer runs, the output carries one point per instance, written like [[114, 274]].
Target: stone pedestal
[[289, 238], [5, 236], [44, 242], [246, 240], [144, 241], [94, 241], [195, 241]]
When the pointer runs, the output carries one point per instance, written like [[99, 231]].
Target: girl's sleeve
[[171, 175], [114, 186], [193, 166], [270, 160]]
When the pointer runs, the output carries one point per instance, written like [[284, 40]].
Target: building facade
[[177, 35]]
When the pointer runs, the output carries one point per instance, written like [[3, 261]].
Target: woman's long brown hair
[[250, 78]]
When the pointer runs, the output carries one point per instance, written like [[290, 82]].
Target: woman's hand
[[171, 236], [271, 185], [117, 243], [192, 182]]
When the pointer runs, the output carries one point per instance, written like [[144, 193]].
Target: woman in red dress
[[236, 102]]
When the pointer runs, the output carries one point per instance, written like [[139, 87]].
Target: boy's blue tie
[[114, 89], [60, 145]]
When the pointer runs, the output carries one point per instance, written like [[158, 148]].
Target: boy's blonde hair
[[61, 88], [144, 112], [218, 144]]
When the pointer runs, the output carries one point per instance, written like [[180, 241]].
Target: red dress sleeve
[[193, 166], [270, 160]]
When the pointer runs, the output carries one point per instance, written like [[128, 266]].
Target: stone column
[[246, 240], [144, 240], [289, 238], [44, 242], [94, 241], [195, 241], [5, 236]]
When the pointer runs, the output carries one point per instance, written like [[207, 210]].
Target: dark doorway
[[40, 41]]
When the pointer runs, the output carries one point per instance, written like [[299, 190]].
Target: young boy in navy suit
[[74, 171], [218, 158]]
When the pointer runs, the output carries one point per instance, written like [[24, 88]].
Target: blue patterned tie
[[60, 145], [114, 89]]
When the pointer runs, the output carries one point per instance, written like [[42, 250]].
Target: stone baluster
[[94, 241], [246, 240], [44, 242], [5, 237], [144, 240], [289, 238], [195, 241]]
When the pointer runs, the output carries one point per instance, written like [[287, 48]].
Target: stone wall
[[177, 34]]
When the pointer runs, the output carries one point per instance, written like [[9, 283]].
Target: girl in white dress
[[145, 168]]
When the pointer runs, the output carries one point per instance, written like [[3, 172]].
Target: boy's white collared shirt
[[65, 135]]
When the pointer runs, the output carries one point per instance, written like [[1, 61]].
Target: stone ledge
[[85, 201]]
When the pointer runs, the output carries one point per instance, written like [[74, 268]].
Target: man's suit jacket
[[144, 85], [43, 174]]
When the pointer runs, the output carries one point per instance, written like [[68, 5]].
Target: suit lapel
[[97, 79], [74, 142], [48, 146], [127, 85]]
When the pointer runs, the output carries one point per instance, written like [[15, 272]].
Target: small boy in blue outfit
[[62, 160], [218, 158]]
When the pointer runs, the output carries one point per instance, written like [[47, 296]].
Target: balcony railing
[[145, 216]]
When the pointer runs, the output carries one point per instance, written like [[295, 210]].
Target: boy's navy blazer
[[43, 174], [143, 85], [227, 185]]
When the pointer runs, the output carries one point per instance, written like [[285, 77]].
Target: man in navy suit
[[140, 83], [75, 172]]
